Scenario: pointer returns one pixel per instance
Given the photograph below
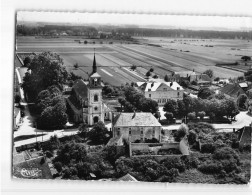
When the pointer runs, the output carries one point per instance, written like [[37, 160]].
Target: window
[[165, 89], [96, 98], [141, 131], [95, 108], [129, 131], [118, 132], [178, 94], [149, 95]]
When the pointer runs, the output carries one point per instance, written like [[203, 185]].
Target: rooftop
[[142, 119], [232, 89], [127, 177], [80, 87], [154, 86]]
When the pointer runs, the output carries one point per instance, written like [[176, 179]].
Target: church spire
[[94, 64]]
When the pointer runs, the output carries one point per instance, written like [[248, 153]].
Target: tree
[[99, 134], [169, 116], [246, 58], [184, 83], [76, 65], [166, 78], [17, 99], [83, 130], [155, 76], [181, 109], [171, 106], [181, 132], [46, 70], [85, 42], [27, 61], [242, 101], [209, 72], [217, 79], [151, 70], [71, 152], [201, 114], [148, 74], [133, 67], [205, 93], [58, 166], [191, 115]]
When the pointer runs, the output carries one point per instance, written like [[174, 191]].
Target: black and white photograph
[[132, 97]]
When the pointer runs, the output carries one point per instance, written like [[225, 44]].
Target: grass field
[[114, 60]]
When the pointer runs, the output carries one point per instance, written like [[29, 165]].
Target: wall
[[158, 96], [152, 146], [148, 133]]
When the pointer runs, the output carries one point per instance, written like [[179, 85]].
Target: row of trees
[[216, 106], [43, 84]]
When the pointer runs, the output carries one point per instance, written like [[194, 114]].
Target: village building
[[86, 100], [244, 136], [231, 90], [161, 91], [202, 80], [136, 126]]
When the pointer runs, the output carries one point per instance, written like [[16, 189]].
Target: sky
[[175, 21]]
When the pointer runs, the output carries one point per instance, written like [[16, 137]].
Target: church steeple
[[94, 64]]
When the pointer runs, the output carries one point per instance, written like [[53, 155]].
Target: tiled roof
[[232, 90], [127, 177], [153, 86], [184, 73], [80, 87], [144, 119]]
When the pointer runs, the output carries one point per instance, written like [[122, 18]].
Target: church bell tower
[[95, 105]]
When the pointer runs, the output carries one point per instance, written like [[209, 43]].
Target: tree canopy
[[46, 70], [209, 72]]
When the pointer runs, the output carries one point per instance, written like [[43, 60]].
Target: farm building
[[86, 100], [232, 90], [161, 91], [136, 126], [202, 80]]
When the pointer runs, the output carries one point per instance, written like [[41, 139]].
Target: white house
[[161, 91]]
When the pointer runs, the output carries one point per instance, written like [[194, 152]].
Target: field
[[114, 60]]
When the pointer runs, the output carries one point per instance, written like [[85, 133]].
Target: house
[[161, 91], [202, 80], [232, 90], [244, 86], [136, 126], [86, 99]]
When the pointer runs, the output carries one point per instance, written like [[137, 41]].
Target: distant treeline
[[180, 33], [54, 30]]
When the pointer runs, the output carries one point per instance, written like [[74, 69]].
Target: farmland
[[115, 59]]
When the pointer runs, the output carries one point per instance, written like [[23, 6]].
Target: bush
[[191, 115], [58, 166], [211, 167], [170, 151], [181, 132], [190, 161], [208, 148], [192, 137], [225, 153], [173, 162]]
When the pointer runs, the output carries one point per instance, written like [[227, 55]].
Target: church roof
[[95, 75], [144, 119], [80, 87]]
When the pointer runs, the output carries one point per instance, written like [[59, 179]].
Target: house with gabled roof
[[232, 90], [136, 126], [161, 91]]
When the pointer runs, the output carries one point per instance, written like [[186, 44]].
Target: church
[[86, 100]]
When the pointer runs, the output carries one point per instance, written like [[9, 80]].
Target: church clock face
[[95, 79]]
